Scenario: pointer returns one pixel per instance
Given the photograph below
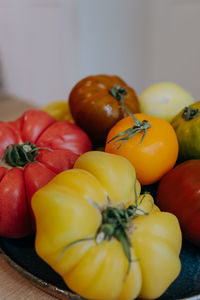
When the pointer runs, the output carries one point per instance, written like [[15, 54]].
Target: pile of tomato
[[72, 175]]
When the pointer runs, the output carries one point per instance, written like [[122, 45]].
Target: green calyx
[[116, 224], [190, 113], [21, 154], [138, 126], [118, 93]]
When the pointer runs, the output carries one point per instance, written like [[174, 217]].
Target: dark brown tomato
[[95, 104]]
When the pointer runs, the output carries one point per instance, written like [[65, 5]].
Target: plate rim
[[50, 288], [38, 282]]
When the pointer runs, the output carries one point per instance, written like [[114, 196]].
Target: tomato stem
[[190, 113], [115, 224], [21, 154], [132, 131], [118, 93]]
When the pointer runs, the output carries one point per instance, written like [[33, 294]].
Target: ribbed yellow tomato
[[106, 240]]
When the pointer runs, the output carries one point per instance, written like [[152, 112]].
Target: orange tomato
[[152, 156]]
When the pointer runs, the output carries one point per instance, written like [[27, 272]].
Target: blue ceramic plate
[[21, 255]]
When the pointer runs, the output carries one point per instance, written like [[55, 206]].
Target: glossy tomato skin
[[94, 109], [18, 184], [179, 193], [155, 155], [14, 214], [188, 133]]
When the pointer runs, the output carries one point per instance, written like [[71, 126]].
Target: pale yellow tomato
[[59, 110], [164, 100]]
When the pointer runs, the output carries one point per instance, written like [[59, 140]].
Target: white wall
[[111, 36], [173, 44], [46, 46], [38, 50]]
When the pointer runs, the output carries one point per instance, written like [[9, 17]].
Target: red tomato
[[25, 167], [179, 193]]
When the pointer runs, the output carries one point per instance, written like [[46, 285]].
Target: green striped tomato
[[187, 127]]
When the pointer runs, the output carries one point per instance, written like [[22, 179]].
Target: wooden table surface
[[15, 287], [12, 285]]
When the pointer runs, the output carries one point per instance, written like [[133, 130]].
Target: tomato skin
[[58, 160], [59, 110], [188, 133], [32, 124], [18, 184], [94, 109], [36, 175], [164, 100], [7, 137], [65, 136], [179, 193], [14, 213], [155, 155]]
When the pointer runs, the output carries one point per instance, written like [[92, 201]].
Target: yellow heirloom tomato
[[106, 240], [59, 110]]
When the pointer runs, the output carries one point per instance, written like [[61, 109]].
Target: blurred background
[[46, 46]]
